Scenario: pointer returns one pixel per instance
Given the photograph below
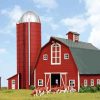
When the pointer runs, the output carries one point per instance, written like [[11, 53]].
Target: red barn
[[60, 62]]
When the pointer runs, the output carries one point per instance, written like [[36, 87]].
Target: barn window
[[76, 37], [98, 81], [40, 82], [45, 57], [92, 82], [13, 81], [72, 83], [55, 54], [66, 56], [85, 83]]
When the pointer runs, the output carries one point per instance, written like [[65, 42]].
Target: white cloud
[[93, 13], [3, 50], [77, 23], [50, 21], [48, 4], [90, 19], [13, 14]]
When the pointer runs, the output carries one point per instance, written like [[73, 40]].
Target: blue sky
[[57, 18]]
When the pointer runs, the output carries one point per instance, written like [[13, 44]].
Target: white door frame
[[13, 84], [61, 73]]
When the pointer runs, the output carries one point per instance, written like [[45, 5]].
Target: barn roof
[[86, 56]]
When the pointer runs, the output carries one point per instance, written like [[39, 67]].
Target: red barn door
[[48, 80], [63, 79]]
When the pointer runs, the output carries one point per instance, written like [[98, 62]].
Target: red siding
[[88, 78], [23, 51], [66, 65], [10, 82], [70, 36]]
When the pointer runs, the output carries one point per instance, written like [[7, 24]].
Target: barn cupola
[[74, 36]]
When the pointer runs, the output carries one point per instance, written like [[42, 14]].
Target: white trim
[[18, 81], [92, 82], [73, 81], [49, 79], [45, 80], [55, 73], [78, 81], [13, 84], [62, 80], [29, 48], [66, 55], [74, 37], [56, 54], [35, 77], [66, 80], [49, 73], [45, 56], [98, 81], [85, 82], [41, 82]]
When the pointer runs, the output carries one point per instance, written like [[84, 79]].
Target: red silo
[[28, 47]]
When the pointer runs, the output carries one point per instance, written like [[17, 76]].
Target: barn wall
[[67, 65], [88, 78], [10, 82]]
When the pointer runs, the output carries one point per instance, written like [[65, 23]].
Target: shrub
[[32, 87], [98, 87], [88, 89], [93, 89]]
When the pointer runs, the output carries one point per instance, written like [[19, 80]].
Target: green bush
[[93, 89], [98, 87], [88, 89], [32, 87]]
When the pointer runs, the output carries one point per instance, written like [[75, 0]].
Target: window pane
[[66, 56], [57, 48], [58, 60], [53, 49], [72, 83], [53, 54], [85, 83], [58, 54], [53, 60], [45, 57]]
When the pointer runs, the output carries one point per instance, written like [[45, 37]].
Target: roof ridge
[[80, 44], [72, 41], [86, 49]]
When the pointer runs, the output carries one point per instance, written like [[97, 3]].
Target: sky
[[57, 18]]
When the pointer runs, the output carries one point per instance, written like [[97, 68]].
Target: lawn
[[25, 95]]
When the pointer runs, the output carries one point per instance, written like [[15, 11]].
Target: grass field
[[25, 95]]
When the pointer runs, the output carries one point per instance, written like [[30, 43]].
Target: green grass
[[25, 95]]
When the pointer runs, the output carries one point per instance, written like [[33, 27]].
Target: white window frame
[[39, 82], [92, 82], [85, 82], [45, 57], [98, 81], [13, 81], [75, 37], [66, 55], [56, 63], [70, 84]]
